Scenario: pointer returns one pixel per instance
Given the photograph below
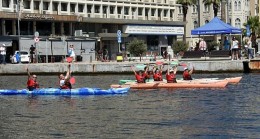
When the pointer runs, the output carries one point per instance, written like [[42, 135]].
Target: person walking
[[250, 50], [3, 54]]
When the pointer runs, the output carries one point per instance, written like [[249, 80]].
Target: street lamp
[[18, 25]]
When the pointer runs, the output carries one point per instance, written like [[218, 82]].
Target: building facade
[[154, 21]]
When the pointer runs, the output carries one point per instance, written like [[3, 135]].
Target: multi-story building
[[238, 12], [154, 21]]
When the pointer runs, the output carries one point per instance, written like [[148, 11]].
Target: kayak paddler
[[157, 74], [140, 76], [171, 75], [65, 80], [32, 81], [187, 73]]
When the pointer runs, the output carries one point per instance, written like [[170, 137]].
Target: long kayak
[[56, 91], [233, 80], [191, 84]]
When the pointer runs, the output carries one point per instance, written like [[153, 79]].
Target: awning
[[6, 43], [112, 35]]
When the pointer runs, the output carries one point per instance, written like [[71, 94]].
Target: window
[[153, 12], [26, 4], [119, 10], [80, 8], [63, 7], [36, 5], [126, 10], [230, 6], [235, 5], [104, 9], [45, 5], [180, 10], [140, 11], [239, 5], [195, 24], [206, 8], [194, 9], [72, 7], [112, 9], [237, 23], [165, 12], [146, 11], [5, 3], [206, 21], [89, 7], [55, 6], [97, 9]]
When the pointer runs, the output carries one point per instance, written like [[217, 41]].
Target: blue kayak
[[56, 91]]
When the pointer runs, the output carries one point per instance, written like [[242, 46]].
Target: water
[[232, 112]]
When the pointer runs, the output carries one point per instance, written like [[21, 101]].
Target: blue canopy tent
[[215, 26]]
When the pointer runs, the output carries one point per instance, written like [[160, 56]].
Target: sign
[[39, 17], [157, 30], [36, 39], [119, 34]]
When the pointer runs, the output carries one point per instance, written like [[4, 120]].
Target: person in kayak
[[147, 73], [32, 83], [187, 73], [157, 74], [65, 80], [171, 75], [140, 76]]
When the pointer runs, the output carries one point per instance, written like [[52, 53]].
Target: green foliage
[[179, 46], [254, 24], [137, 47]]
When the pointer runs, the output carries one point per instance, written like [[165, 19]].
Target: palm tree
[[185, 4], [254, 24], [215, 3]]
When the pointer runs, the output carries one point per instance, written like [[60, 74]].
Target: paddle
[[72, 78]]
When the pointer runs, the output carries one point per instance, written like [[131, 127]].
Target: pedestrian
[[32, 54], [72, 52], [105, 53], [3, 54], [226, 43], [250, 50], [202, 45], [234, 49]]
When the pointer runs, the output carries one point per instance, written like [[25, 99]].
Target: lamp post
[[18, 25]]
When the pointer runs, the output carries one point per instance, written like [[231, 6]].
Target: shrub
[[211, 45], [137, 47], [180, 46]]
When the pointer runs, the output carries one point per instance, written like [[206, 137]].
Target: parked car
[[24, 57]]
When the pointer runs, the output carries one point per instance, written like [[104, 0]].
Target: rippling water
[[232, 112]]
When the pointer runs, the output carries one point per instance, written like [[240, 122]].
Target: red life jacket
[[170, 78], [157, 77], [32, 84], [139, 78], [186, 75]]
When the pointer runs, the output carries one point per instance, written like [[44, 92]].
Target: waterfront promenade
[[97, 67]]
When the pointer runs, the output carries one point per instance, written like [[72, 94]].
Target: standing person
[[202, 45], [32, 54], [140, 76], [250, 53], [105, 53], [3, 54], [234, 48], [226, 43], [171, 75], [187, 74], [32, 83], [72, 52], [65, 80]]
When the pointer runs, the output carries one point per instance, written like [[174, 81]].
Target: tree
[[185, 4], [215, 3], [179, 46], [137, 47], [254, 24]]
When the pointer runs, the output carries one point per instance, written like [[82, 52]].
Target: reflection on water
[[232, 112]]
